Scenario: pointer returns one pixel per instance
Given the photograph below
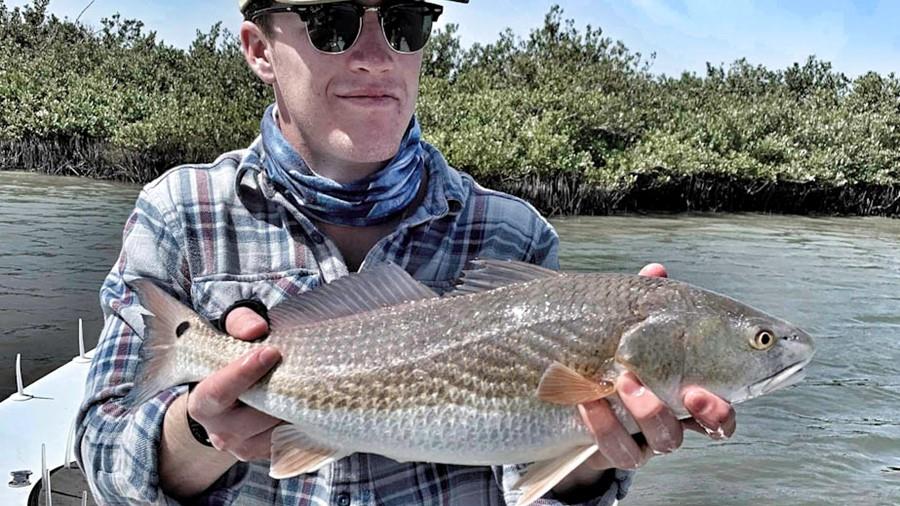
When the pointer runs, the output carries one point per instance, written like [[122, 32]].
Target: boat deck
[[37, 433], [68, 488]]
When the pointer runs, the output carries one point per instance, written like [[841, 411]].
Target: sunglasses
[[333, 28]]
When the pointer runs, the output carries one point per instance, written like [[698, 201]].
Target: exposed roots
[[566, 194], [569, 195]]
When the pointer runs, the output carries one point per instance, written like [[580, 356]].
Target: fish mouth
[[791, 375]]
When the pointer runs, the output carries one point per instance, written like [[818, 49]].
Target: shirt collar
[[446, 195]]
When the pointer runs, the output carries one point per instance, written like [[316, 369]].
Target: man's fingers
[[662, 430], [713, 414], [220, 390], [691, 424], [257, 447], [654, 271], [243, 323], [730, 425], [240, 424], [599, 461], [615, 444]]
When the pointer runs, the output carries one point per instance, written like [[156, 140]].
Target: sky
[[855, 36]]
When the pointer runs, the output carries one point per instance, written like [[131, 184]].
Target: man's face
[[350, 108]]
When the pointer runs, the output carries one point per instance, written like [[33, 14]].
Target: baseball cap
[[244, 4]]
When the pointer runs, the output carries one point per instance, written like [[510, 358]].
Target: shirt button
[[343, 499], [317, 238]]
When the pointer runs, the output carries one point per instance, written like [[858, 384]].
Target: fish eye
[[763, 340], [182, 328]]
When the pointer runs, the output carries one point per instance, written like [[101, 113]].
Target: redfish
[[491, 374]]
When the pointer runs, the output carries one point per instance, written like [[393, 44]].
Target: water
[[59, 236], [834, 439]]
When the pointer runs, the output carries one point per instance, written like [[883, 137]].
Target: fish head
[[738, 352], [724, 346]]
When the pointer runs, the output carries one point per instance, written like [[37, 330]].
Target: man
[[338, 180]]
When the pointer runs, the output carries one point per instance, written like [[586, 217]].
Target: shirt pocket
[[213, 294]]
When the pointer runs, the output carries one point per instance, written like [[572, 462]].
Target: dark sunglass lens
[[407, 27], [333, 28]]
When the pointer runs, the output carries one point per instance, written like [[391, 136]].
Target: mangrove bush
[[564, 116]]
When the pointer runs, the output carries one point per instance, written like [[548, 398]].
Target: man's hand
[[244, 324], [187, 468], [233, 427], [662, 431], [654, 271]]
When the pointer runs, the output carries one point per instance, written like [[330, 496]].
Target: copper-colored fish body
[[377, 363]]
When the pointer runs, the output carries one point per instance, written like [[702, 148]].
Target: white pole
[[20, 394], [82, 357], [46, 474], [80, 339], [70, 446], [19, 388]]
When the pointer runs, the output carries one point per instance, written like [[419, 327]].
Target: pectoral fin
[[542, 476], [293, 453], [562, 385]]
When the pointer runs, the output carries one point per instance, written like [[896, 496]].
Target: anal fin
[[561, 385], [542, 476], [293, 453]]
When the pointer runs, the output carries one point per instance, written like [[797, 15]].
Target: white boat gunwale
[[37, 425]]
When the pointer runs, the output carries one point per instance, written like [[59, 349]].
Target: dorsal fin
[[383, 285], [483, 275]]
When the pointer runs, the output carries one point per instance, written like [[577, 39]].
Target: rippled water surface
[[834, 439], [59, 236]]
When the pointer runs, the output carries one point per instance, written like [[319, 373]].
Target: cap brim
[[244, 3]]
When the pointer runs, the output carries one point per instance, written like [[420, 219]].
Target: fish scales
[[455, 379], [490, 347], [485, 336], [468, 362]]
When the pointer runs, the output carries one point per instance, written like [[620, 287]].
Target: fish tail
[[157, 368]]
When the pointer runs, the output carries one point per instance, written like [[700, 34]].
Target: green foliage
[[118, 87], [560, 102], [564, 101], [804, 124]]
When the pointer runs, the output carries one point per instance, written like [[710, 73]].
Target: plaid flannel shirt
[[218, 233]]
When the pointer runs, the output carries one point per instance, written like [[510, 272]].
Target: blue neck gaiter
[[369, 201]]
